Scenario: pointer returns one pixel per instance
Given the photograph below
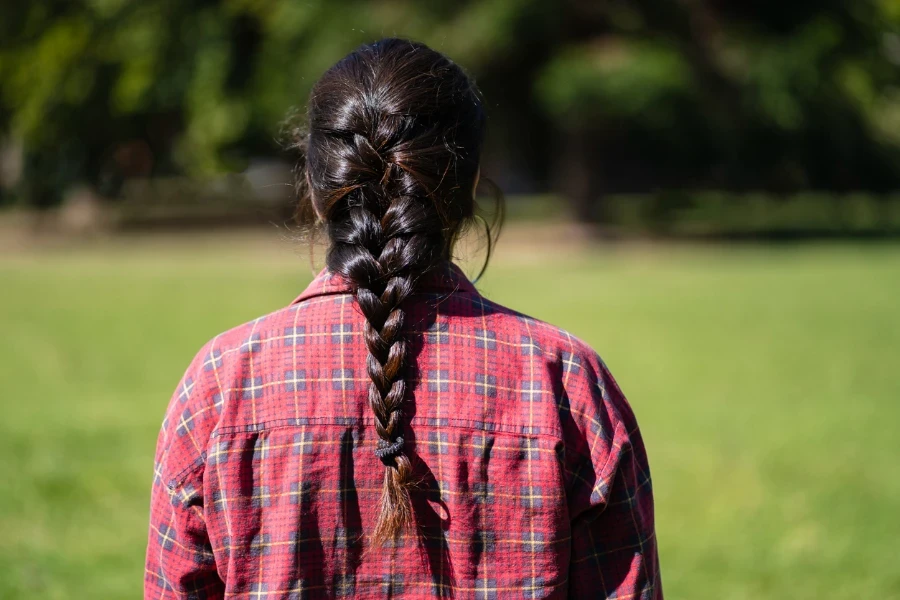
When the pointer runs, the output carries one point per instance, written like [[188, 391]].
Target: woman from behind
[[392, 433]]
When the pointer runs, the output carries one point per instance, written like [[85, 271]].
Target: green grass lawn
[[767, 382]]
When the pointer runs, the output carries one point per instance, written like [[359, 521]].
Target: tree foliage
[[586, 96]]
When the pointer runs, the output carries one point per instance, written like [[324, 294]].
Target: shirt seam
[[179, 479], [465, 424]]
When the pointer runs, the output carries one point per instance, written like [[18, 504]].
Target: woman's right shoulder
[[591, 401], [541, 337]]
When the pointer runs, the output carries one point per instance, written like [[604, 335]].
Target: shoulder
[[196, 405], [222, 356], [244, 337], [577, 358], [590, 402]]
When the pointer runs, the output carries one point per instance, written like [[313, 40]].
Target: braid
[[389, 163], [382, 247]]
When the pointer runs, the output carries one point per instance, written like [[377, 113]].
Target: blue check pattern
[[533, 477]]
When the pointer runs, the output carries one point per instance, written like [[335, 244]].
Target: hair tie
[[387, 451]]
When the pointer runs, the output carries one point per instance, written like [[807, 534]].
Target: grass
[[766, 381]]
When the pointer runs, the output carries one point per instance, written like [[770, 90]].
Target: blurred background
[[708, 192]]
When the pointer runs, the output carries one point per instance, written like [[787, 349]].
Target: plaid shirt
[[533, 479]]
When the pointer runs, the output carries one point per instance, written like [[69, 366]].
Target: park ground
[[766, 380]]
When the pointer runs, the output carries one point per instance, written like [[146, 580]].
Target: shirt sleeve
[[614, 552], [180, 561]]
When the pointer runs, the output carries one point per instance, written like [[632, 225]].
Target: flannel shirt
[[532, 476]]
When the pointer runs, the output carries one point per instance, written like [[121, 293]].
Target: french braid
[[390, 160], [382, 251]]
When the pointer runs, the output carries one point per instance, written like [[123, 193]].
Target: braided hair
[[388, 164]]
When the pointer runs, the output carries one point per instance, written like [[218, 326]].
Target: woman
[[392, 433]]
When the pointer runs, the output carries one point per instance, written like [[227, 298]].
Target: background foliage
[[586, 98]]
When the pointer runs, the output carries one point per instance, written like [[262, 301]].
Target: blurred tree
[[712, 94], [589, 97], [102, 90]]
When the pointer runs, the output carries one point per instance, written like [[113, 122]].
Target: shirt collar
[[445, 278]]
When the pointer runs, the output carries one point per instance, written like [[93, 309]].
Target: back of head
[[390, 160]]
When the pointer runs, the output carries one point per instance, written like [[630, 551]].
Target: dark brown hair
[[388, 162]]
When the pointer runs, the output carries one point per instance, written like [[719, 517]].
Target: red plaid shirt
[[533, 476]]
